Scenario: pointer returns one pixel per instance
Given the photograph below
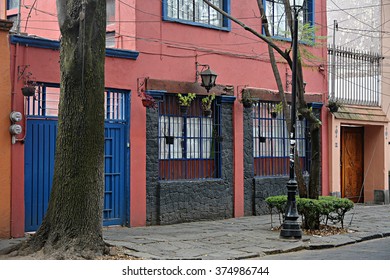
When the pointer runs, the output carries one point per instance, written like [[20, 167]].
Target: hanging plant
[[148, 101], [29, 88], [276, 110], [29, 84], [169, 140], [333, 105], [206, 104], [246, 99]]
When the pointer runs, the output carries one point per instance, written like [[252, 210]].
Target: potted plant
[[29, 83], [333, 105], [246, 99], [29, 88], [169, 140], [185, 101], [148, 101], [206, 104], [276, 110]]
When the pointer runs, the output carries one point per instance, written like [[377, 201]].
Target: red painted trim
[[238, 188]]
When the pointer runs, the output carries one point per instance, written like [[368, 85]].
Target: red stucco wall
[[169, 51], [5, 137]]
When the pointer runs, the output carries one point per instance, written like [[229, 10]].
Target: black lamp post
[[291, 227]]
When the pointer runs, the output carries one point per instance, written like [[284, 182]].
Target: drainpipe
[[333, 74]]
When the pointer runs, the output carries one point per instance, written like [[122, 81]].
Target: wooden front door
[[352, 161]]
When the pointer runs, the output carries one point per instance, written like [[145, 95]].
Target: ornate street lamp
[[208, 76], [290, 226], [208, 79]]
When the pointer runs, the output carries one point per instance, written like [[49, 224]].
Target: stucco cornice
[[273, 95], [5, 25], [55, 45]]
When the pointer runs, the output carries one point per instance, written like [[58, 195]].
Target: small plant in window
[[206, 104], [185, 101], [276, 110], [246, 99], [333, 105]]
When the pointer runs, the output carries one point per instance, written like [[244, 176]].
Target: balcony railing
[[354, 77]]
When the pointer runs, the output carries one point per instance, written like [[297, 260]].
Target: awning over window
[[359, 113]]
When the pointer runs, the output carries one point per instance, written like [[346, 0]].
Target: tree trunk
[[302, 190], [72, 227]]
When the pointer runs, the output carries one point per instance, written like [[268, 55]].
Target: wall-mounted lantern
[[208, 76]]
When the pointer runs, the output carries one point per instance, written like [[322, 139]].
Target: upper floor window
[[110, 7], [12, 4], [196, 12], [276, 15]]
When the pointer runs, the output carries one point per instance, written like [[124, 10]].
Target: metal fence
[[354, 77], [189, 143], [271, 142]]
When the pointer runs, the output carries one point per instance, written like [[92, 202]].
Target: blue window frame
[[189, 143], [46, 100], [271, 142], [277, 20], [196, 12], [12, 4]]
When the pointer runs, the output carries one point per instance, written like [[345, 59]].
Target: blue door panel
[[39, 165], [39, 168]]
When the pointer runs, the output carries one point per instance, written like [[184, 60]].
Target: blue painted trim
[[127, 159], [55, 45], [316, 105], [35, 42], [225, 21], [119, 53], [310, 12], [228, 99], [156, 94]]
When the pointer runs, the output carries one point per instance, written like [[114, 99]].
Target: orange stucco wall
[[5, 138], [375, 145], [3, 14]]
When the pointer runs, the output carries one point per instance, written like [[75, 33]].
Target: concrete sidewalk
[[238, 238]]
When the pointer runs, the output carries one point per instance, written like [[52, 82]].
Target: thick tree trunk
[[72, 227]]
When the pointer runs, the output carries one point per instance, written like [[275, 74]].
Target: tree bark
[[72, 227]]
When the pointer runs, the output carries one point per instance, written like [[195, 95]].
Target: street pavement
[[238, 238]]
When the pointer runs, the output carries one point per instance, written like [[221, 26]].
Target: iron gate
[[40, 141]]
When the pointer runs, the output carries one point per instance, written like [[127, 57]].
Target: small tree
[[302, 107]]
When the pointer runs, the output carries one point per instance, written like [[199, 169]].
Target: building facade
[[163, 165], [358, 131]]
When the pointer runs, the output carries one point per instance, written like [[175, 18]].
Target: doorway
[[352, 163]]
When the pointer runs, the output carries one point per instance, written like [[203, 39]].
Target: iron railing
[[354, 78]]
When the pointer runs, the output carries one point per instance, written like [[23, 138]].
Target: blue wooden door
[[40, 150]]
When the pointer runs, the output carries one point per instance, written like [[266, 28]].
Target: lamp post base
[[291, 230], [291, 227]]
